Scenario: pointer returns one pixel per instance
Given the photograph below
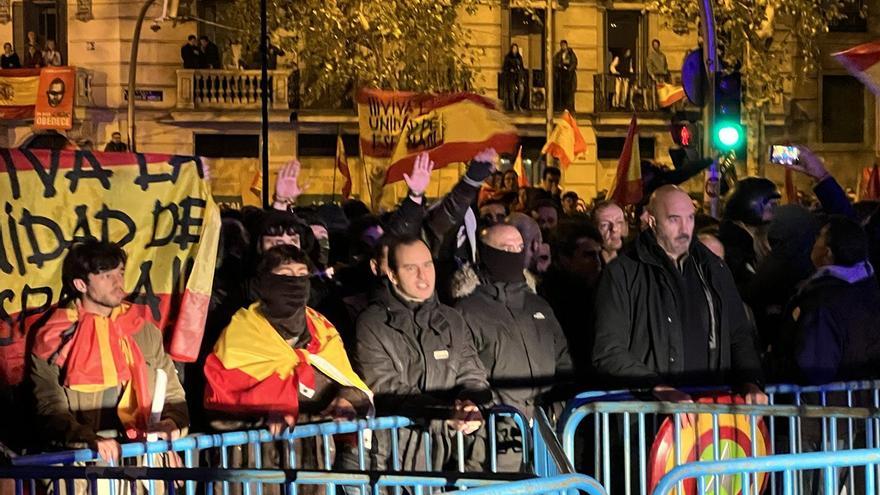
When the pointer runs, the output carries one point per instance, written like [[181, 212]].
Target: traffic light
[[728, 133]]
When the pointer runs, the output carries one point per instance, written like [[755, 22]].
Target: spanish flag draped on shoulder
[[565, 141], [452, 128], [253, 370]]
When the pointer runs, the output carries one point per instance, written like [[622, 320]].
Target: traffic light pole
[[710, 61]]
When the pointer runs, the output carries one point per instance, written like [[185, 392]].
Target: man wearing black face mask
[[279, 359], [518, 338]]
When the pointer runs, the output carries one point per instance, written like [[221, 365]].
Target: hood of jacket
[[467, 278]]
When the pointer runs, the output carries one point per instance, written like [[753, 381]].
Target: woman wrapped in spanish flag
[[280, 362]]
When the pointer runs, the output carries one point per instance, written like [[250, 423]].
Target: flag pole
[[336, 162]]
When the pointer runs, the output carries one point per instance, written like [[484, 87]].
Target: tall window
[[843, 109], [46, 18], [622, 30], [527, 31]]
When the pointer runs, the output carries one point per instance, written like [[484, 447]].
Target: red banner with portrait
[[54, 106]]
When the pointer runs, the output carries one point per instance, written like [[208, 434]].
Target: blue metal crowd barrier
[[707, 475], [621, 427], [189, 447]]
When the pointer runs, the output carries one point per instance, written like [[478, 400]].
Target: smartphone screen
[[784, 155]]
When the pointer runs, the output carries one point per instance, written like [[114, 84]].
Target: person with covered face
[[668, 313], [517, 336]]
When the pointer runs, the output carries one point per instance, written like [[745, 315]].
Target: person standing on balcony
[[209, 54], [189, 53], [658, 70], [9, 59], [622, 68], [564, 77], [51, 56], [513, 73], [33, 57]]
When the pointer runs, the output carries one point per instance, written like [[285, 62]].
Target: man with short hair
[[537, 252], [517, 336], [831, 321], [611, 222], [116, 143], [94, 363], [658, 70], [418, 358], [545, 213], [209, 54], [668, 313], [550, 180], [492, 212], [570, 204], [189, 53], [569, 286]]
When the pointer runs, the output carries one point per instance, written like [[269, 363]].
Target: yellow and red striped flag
[[451, 128], [565, 141], [627, 188], [520, 170]]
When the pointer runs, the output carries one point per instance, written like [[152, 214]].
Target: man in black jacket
[[668, 313], [831, 322], [419, 359], [518, 338]]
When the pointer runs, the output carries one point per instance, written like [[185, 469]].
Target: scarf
[[502, 266], [283, 302], [96, 353]]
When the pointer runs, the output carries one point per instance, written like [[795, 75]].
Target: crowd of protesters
[[495, 295]]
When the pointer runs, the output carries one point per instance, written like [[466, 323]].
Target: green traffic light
[[728, 135]]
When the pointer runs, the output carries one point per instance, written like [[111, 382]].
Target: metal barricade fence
[[622, 432], [190, 447], [707, 477]]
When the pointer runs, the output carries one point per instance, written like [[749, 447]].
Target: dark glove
[[478, 171]]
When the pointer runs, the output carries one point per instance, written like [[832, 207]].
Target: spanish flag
[[869, 184], [18, 93], [342, 166], [520, 170], [565, 142], [669, 94], [627, 188], [452, 128], [253, 370], [98, 355], [862, 62]]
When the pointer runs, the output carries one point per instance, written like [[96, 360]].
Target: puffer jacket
[[639, 339], [70, 419], [417, 359], [518, 339]]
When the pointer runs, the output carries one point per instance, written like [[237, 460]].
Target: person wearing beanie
[[518, 338]]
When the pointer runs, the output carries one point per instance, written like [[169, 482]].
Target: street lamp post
[[132, 73]]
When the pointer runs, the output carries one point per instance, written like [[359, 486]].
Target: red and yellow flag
[[869, 184], [18, 93], [627, 188], [451, 128], [669, 94], [158, 208], [252, 370], [342, 166], [565, 141], [521, 177]]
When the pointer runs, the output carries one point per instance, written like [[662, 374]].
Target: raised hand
[[287, 187], [421, 174]]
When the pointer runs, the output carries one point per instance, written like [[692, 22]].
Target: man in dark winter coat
[[419, 359], [831, 322], [517, 336], [668, 313]]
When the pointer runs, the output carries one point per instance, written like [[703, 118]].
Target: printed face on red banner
[[54, 108]]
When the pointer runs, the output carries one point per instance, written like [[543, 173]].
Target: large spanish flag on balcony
[[158, 208], [452, 128], [18, 93], [253, 370], [862, 62], [565, 141]]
